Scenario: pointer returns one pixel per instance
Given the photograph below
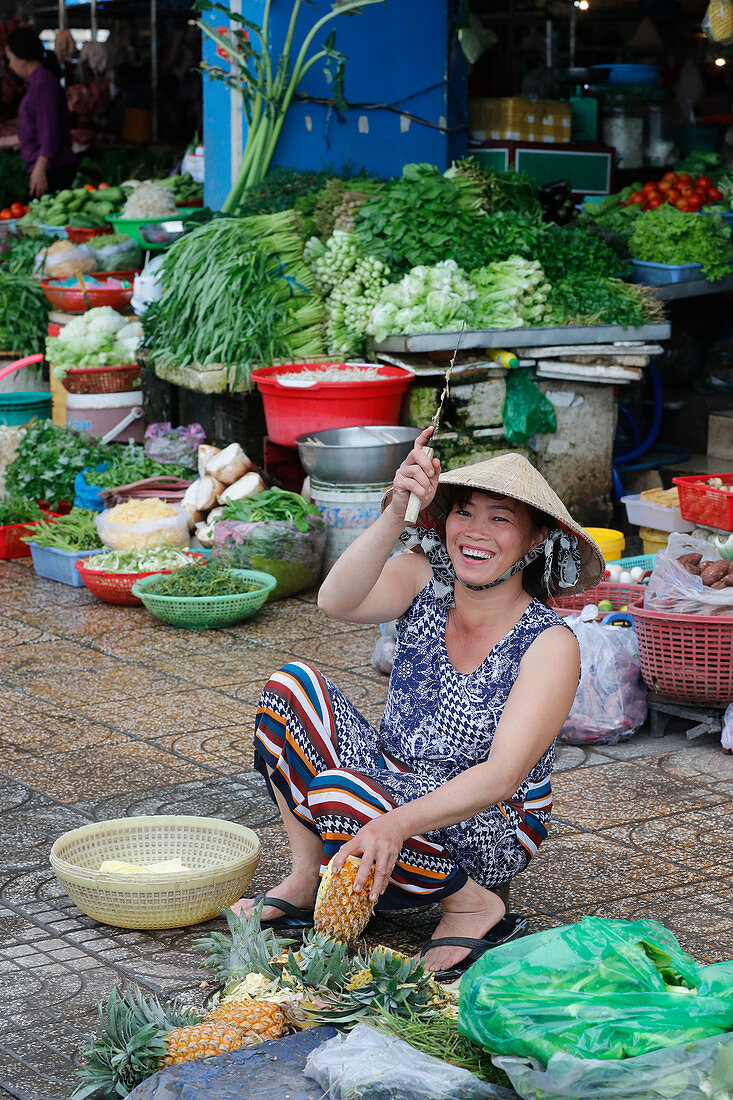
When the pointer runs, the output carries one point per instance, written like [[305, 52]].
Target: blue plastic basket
[[58, 565], [645, 561], [649, 274], [53, 231]]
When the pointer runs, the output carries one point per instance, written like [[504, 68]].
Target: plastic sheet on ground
[[371, 1065], [693, 1071], [269, 1071]]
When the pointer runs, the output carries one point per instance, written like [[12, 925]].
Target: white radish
[[246, 486], [205, 453], [229, 465], [205, 535], [202, 494]]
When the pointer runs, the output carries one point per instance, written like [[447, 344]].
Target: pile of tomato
[[679, 190], [16, 210]]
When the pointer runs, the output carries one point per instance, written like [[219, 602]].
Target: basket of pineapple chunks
[[155, 872]]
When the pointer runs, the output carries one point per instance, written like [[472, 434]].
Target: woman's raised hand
[[378, 843], [418, 474]]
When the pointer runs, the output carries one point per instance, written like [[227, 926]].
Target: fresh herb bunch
[[286, 188], [49, 458], [581, 299], [20, 255], [439, 1036], [273, 504], [23, 314], [667, 236], [132, 464], [76, 531], [499, 190], [18, 509], [202, 580]]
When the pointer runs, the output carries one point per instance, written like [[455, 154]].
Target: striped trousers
[[324, 758]]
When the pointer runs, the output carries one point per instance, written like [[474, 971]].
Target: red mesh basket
[[689, 657], [103, 379], [700, 503], [116, 587], [618, 594]]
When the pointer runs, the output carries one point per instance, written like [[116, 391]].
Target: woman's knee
[[290, 679]]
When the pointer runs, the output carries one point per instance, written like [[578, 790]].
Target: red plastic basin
[[70, 299], [80, 235], [291, 411]]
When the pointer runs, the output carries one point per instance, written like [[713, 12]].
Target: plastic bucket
[[19, 408], [653, 540], [611, 543], [291, 411], [100, 413], [347, 510]]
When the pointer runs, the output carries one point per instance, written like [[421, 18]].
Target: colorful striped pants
[[324, 758]]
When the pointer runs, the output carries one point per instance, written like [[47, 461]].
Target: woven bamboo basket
[[222, 856]]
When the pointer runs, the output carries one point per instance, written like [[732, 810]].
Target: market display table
[[695, 288], [704, 719], [528, 336]]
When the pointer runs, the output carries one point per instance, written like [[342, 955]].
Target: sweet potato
[[713, 571], [718, 585], [686, 560]]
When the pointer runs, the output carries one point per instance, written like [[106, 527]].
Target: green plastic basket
[[206, 612], [143, 229]]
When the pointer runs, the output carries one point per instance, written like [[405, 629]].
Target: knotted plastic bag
[[278, 547], [526, 409], [600, 989], [673, 589], [178, 446]]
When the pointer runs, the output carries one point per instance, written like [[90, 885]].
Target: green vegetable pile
[[139, 561], [20, 255], [184, 187], [132, 464], [49, 458], [17, 509], [23, 314], [500, 191], [667, 236], [273, 504], [201, 581], [77, 207], [76, 531], [582, 299]]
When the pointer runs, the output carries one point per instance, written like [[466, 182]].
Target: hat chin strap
[[568, 558], [512, 571]]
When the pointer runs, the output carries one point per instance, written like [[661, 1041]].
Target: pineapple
[[340, 913], [385, 981], [720, 20], [248, 949], [320, 963], [138, 1035]]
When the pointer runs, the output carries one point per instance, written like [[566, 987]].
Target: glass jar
[[623, 129]]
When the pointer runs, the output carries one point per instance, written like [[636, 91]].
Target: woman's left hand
[[38, 181], [378, 843]]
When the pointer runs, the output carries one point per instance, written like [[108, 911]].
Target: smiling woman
[[451, 796]]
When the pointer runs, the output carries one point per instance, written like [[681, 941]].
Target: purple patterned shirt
[[44, 128]]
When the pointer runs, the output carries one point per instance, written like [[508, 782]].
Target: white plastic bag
[[610, 703], [64, 263], [671, 588], [382, 658], [371, 1065]]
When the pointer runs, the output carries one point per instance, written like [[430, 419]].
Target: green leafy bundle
[[499, 190], [76, 531], [273, 504], [201, 580], [132, 464], [667, 236], [49, 458], [17, 509], [583, 299], [23, 314]]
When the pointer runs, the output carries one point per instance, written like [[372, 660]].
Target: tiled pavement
[[106, 712]]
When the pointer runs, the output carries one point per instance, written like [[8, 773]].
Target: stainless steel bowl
[[356, 456], [166, 231]]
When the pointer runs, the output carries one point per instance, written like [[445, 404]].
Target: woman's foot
[[472, 912], [298, 888]]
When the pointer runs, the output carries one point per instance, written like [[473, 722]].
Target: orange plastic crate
[[688, 657], [618, 594], [700, 503]]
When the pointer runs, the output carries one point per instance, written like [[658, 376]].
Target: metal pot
[[356, 456]]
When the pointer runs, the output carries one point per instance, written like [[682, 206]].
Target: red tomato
[[684, 177], [673, 195], [714, 195], [649, 187], [703, 181], [670, 177], [635, 197], [686, 189], [17, 210], [655, 201], [694, 201], [103, 187], [89, 187], [683, 206], [665, 186], [5, 214]]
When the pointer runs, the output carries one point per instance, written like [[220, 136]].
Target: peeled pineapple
[[340, 913], [229, 1027]]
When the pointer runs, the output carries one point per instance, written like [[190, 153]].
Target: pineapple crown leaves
[[399, 986], [129, 1043], [321, 963], [246, 950]]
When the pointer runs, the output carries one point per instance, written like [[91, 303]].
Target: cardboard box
[[720, 434], [515, 118]]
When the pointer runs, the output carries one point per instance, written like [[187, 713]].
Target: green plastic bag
[[526, 409], [596, 989]]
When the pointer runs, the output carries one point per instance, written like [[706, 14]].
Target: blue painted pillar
[[405, 76]]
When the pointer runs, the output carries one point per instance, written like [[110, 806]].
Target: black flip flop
[[292, 916], [510, 927]]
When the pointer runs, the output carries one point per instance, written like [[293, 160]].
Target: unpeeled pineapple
[[720, 20], [231, 1026], [339, 912]]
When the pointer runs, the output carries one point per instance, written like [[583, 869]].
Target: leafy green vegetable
[[23, 314], [49, 458], [139, 561], [582, 299], [427, 299], [201, 580], [509, 293], [499, 190], [17, 509], [76, 531], [667, 236], [273, 504], [130, 463]]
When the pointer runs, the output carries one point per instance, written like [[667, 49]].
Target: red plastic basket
[[116, 587], [11, 535], [700, 503], [80, 235], [689, 657], [618, 594], [291, 411], [120, 379], [72, 299]]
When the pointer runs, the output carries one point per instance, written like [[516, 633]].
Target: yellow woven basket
[[222, 856]]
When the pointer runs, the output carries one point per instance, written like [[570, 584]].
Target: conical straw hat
[[511, 475]]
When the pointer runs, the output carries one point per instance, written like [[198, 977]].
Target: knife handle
[[414, 504]]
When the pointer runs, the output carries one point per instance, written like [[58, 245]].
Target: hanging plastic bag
[[610, 703], [673, 588], [382, 658], [718, 21], [178, 446], [692, 1071], [596, 989], [371, 1065], [293, 557], [526, 409]]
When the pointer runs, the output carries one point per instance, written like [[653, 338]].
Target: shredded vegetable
[[328, 374], [139, 561]]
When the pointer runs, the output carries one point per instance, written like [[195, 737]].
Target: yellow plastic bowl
[[222, 856], [653, 539], [611, 543]]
